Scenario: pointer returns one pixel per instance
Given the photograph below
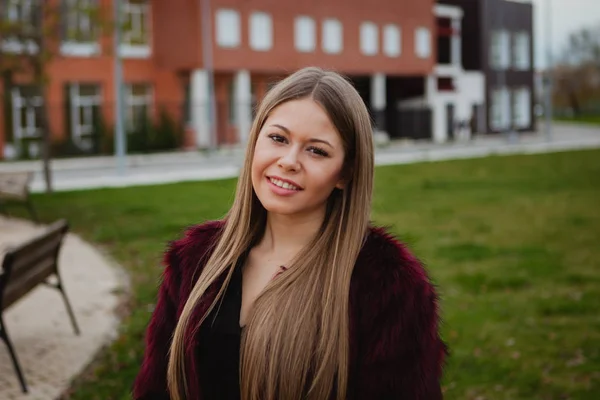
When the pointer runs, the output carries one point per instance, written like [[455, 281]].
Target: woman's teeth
[[283, 184]]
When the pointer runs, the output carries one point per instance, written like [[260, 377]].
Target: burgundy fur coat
[[396, 351]]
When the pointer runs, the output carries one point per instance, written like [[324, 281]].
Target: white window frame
[[369, 38], [392, 40], [522, 51], [500, 49], [305, 34], [521, 111], [261, 31], [133, 101], [78, 17], [81, 129], [500, 109], [423, 42], [14, 9], [133, 45], [31, 130], [228, 26], [333, 36]]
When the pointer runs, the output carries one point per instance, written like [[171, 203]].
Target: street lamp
[[120, 143], [548, 78], [207, 40]]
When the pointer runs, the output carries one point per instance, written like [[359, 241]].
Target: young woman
[[293, 295]]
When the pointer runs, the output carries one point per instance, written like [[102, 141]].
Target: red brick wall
[[177, 34], [408, 14]]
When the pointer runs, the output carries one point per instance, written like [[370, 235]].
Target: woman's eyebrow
[[313, 140]]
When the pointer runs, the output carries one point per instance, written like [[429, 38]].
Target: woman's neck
[[288, 235]]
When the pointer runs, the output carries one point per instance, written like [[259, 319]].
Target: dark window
[[444, 40], [445, 84]]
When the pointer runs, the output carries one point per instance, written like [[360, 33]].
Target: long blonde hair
[[296, 340]]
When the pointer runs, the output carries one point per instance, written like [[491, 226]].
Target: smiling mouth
[[282, 184]]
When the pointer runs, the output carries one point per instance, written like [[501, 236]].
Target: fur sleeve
[[180, 258], [401, 350]]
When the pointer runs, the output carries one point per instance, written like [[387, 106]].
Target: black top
[[219, 348]]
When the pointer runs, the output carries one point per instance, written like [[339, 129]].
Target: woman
[[293, 295]]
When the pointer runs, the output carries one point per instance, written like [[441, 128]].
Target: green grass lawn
[[586, 120], [512, 242]]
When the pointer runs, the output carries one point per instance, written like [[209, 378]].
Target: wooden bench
[[25, 267], [14, 190]]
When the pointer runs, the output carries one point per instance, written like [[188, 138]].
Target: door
[[477, 119], [450, 121]]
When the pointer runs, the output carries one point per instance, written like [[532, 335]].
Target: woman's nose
[[289, 161]]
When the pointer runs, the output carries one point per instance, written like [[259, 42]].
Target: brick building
[[378, 44], [391, 49]]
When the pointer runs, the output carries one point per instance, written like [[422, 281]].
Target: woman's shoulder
[[185, 253], [392, 288], [386, 262], [397, 321], [385, 253]]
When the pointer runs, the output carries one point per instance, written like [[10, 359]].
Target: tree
[[31, 32], [584, 47], [577, 75]]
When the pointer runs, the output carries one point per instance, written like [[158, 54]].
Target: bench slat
[[30, 255], [30, 263], [17, 288]]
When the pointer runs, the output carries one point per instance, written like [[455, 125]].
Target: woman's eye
[[318, 151], [277, 138]]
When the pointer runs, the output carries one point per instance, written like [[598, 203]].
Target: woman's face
[[298, 160]]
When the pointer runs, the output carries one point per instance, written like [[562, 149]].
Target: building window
[[392, 41], [24, 17], [80, 35], [138, 100], [228, 28], [305, 34], [521, 56], [78, 25], [261, 31], [27, 118], [521, 108], [137, 22], [445, 36], [445, 84], [333, 36], [135, 41], [423, 42], [500, 109], [84, 103], [22, 12], [500, 50], [369, 38]]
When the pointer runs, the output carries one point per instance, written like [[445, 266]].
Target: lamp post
[[548, 79], [120, 143], [206, 18]]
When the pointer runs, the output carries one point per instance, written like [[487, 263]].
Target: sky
[[566, 16]]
